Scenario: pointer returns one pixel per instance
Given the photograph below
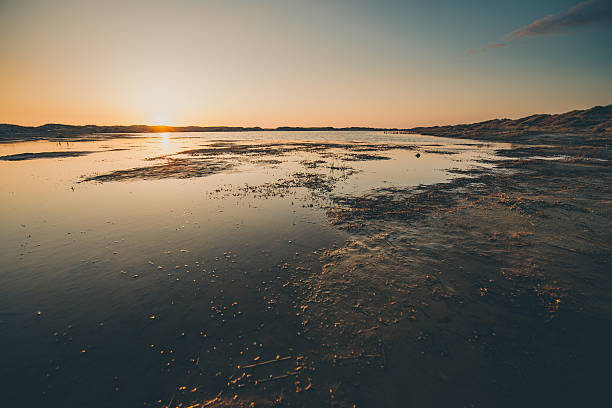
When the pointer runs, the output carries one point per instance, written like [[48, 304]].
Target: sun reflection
[[165, 141]]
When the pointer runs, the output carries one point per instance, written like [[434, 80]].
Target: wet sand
[[305, 275]]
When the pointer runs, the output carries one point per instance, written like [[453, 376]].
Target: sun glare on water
[[165, 142]]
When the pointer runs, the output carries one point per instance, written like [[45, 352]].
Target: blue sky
[[269, 63]]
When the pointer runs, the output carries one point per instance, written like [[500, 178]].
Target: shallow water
[[121, 290]]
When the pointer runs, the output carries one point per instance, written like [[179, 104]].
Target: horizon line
[[299, 127]]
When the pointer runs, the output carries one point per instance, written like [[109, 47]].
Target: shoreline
[[578, 126]]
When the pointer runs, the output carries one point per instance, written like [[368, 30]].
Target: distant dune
[[56, 130], [53, 130], [593, 124]]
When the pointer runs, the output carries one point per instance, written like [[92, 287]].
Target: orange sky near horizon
[[209, 63]]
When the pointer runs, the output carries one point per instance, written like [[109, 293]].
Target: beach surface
[[344, 268]]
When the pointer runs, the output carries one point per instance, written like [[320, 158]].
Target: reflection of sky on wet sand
[[64, 242], [50, 219], [47, 191]]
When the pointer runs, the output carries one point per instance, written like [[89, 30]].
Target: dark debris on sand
[[222, 156], [173, 168], [44, 155]]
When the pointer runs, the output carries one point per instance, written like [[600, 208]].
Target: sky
[[270, 63]]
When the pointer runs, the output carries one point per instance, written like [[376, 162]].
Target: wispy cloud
[[584, 14]]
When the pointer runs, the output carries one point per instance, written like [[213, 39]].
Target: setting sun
[[160, 121]]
